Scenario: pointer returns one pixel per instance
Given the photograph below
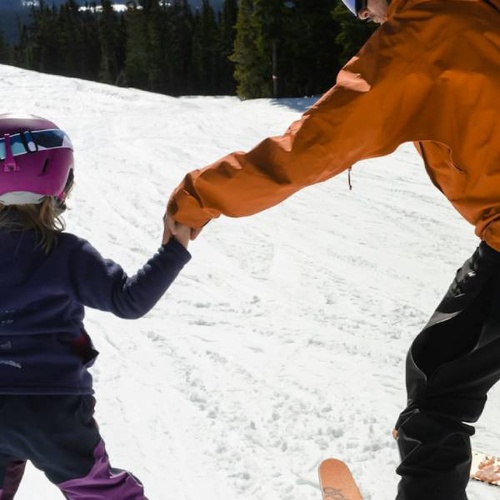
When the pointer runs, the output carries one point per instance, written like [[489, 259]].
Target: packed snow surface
[[283, 341]]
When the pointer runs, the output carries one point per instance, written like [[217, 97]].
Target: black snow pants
[[451, 366]]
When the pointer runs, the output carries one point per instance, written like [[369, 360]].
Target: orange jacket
[[430, 74]]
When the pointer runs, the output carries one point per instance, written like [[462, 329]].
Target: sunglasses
[[31, 142], [355, 6]]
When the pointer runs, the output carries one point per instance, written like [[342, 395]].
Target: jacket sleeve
[[103, 284], [366, 114]]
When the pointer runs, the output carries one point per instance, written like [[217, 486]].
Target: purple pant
[[102, 482]]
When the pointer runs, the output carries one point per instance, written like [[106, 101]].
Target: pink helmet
[[36, 159]]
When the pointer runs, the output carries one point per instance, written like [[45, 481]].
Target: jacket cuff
[[180, 252]]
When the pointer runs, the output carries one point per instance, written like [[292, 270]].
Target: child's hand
[[182, 234], [179, 231]]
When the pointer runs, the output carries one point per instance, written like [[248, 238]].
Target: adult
[[430, 74]]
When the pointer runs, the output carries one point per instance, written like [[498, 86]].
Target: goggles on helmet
[[355, 6], [33, 141]]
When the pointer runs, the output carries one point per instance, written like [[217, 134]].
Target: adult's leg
[[451, 366]]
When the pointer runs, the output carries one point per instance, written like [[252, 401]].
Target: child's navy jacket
[[43, 345]]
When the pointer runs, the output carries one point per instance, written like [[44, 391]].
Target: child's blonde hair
[[44, 217]]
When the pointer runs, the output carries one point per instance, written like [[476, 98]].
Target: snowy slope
[[283, 341]]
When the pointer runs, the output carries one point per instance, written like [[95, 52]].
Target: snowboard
[[485, 468], [336, 481]]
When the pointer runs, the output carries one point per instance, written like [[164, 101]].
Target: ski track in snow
[[283, 341]]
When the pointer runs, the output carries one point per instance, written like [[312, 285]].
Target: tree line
[[252, 48]]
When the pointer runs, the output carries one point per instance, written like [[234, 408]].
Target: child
[[46, 279]]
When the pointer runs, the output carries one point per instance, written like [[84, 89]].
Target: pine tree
[[353, 33], [70, 41], [178, 48], [204, 57], [309, 61], [136, 64], [270, 17], [40, 50], [225, 46], [110, 40], [252, 68], [5, 50], [154, 12], [89, 48]]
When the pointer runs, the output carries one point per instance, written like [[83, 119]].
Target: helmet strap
[[10, 164]]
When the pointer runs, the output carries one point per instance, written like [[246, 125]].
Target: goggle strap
[[29, 142], [10, 164]]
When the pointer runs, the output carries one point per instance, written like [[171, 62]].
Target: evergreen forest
[[251, 48]]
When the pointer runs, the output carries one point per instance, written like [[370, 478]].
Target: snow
[[283, 340]]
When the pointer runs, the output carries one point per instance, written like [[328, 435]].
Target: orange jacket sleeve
[[362, 116], [414, 80]]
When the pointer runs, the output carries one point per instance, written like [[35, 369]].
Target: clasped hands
[[180, 232]]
